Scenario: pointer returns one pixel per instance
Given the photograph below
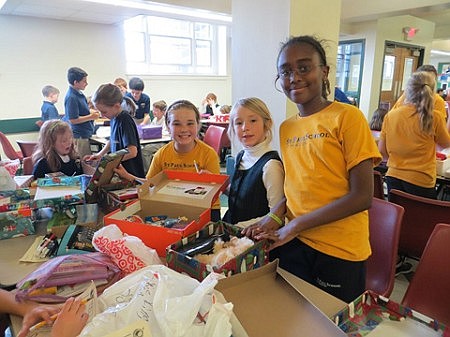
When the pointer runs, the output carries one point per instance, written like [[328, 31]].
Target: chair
[[385, 220], [216, 137], [378, 188], [8, 149], [421, 215], [429, 290], [27, 166], [27, 146]]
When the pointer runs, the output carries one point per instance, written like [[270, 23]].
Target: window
[[349, 68], [166, 46]]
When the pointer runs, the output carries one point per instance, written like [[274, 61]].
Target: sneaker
[[404, 268]]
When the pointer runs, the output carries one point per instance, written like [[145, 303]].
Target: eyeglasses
[[299, 71]]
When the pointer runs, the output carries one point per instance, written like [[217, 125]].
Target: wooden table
[[12, 270]]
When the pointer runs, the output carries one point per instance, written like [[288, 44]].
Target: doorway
[[400, 61]]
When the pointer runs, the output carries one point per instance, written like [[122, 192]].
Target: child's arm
[[146, 119], [81, 119], [132, 152], [71, 320], [358, 199], [100, 154], [124, 174]]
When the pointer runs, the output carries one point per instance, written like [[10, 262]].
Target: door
[[399, 64]]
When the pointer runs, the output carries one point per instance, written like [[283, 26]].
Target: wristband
[[275, 218]]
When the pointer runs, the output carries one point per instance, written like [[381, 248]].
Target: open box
[[268, 301], [174, 194], [252, 258], [376, 315]]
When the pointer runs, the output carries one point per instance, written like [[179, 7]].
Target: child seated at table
[[55, 151]]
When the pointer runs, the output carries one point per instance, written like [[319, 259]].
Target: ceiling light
[[165, 9], [440, 52]]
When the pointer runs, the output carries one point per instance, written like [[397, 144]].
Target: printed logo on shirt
[[175, 166], [296, 141]]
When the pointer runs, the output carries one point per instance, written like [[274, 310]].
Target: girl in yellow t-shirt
[[185, 152], [409, 136], [328, 153]]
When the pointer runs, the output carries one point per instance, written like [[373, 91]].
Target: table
[[101, 141], [11, 250]]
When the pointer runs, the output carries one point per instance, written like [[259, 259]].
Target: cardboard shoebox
[[376, 315], [252, 258], [173, 194], [150, 131], [268, 301]]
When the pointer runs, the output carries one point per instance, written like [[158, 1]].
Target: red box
[[170, 195]]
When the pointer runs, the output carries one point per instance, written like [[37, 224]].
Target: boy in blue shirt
[[48, 109], [78, 114], [141, 100]]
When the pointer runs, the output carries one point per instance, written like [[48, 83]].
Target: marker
[[196, 167]]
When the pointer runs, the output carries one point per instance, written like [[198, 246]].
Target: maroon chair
[[27, 165], [8, 149], [216, 137], [429, 290], [27, 146], [385, 220], [378, 189], [421, 215]]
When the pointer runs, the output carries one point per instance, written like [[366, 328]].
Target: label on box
[[183, 189]]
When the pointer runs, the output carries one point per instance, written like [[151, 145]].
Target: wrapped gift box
[[251, 258], [374, 313], [150, 131], [173, 194]]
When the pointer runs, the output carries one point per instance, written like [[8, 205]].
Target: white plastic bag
[[128, 252], [6, 181], [171, 303]]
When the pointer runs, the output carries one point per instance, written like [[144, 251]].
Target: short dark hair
[[429, 68], [136, 84], [75, 74]]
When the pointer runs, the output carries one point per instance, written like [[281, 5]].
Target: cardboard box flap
[[184, 188], [103, 174], [267, 305]]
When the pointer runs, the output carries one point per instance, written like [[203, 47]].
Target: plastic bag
[[7, 183], [173, 305], [128, 252], [66, 276]]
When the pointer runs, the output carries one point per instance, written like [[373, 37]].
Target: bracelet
[[275, 218]]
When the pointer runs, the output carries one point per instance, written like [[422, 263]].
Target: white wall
[[36, 52]]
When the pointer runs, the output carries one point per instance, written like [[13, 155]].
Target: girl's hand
[[123, 173], [265, 225], [71, 320], [92, 157], [276, 238], [37, 314]]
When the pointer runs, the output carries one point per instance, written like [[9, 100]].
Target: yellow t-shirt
[[167, 158], [412, 153], [318, 151], [439, 105]]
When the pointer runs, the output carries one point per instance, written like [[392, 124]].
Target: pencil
[[196, 167], [52, 318]]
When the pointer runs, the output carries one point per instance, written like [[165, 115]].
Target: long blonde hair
[[420, 92], [46, 143]]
